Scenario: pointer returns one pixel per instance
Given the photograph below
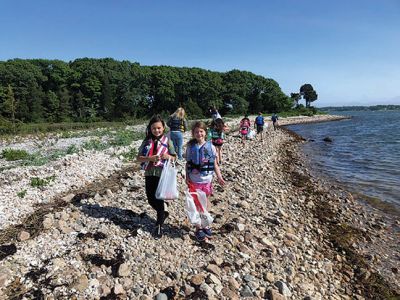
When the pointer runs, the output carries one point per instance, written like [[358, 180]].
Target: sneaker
[[200, 235], [207, 232], [158, 232]]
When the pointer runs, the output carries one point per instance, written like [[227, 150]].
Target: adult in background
[[274, 120], [259, 124], [177, 125], [214, 113]]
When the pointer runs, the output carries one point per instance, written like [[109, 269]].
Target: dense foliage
[[86, 90], [308, 93]]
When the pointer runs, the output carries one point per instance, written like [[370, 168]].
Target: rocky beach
[[279, 232]]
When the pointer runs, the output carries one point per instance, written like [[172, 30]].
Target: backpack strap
[[148, 150]]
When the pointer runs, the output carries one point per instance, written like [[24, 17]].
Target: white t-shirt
[[216, 115]]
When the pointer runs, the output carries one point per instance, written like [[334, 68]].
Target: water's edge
[[385, 207]]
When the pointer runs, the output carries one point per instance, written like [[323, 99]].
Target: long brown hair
[[197, 124]]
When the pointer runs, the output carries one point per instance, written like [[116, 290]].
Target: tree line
[[86, 89]]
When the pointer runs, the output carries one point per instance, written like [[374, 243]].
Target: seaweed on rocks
[[33, 224], [15, 290], [170, 292], [96, 236], [206, 246], [226, 228], [110, 296], [7, 250], [114, 263], [197, 294], [35, 274], [79, 197], [341, 235]]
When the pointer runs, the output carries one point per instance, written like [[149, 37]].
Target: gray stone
[[248, 278], [283, 288], [161, 296], [246, 292]]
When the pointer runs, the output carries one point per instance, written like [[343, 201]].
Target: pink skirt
[[205, 187]]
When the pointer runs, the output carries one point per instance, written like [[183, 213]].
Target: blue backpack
[[260, 121]]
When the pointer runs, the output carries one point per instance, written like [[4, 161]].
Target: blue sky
[[347, 49]]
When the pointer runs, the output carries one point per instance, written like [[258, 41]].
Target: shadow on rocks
[[127, 219]]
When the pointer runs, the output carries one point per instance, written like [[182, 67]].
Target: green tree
[[65, 110], [52, 107], [193, 110], [308, 93], [295, 97], [9, 106]]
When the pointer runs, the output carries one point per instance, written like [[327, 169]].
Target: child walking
[[244, 128], [155, 149], [202, 164], [217, 136]]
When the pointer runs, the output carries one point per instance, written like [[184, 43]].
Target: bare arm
[[217, 170]]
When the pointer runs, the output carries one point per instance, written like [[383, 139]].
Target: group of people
[[202, 161], [203, 157], [259, 123]]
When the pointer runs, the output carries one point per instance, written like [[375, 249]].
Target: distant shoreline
[[313, 119], [383, 107]]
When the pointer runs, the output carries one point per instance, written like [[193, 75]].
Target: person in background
[[274, 120], [201, 165], [259, 124], [216, 135], [244, 128], [177, 125], [214, 113], [155, 149]]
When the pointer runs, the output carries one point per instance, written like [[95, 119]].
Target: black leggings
[[157, 204]]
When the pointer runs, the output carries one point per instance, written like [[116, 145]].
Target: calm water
[[364, 155]]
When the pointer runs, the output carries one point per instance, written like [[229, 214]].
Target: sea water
[[364, 154]]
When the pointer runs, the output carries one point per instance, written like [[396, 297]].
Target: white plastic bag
[[196, 208], [251, 134], [167, 188]]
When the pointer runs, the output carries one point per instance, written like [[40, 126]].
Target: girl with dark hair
[[155, 149]]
